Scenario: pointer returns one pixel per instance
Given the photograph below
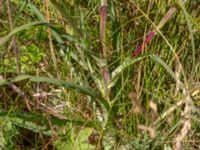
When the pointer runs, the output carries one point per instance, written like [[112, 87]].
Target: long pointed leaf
[[40, 123], [42, 18], [81, 89], [24, 27], [162, 63]]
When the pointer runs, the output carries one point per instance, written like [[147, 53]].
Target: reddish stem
[[148, 38]]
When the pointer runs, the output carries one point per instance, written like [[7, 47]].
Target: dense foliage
[[99, 74]]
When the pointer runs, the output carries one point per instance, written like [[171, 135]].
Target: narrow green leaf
[[40, 123], [127, 63], [23, 27], [20, 78], [81, 89], [60, 6], [162, 63], [42, 18]]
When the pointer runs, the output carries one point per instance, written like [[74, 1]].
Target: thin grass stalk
[[53, 56], [152, 34], [187, 123], [157, 30], [1, 6], [180, 3], [103, 15], [105, 71], [13, 41], [60, 7]]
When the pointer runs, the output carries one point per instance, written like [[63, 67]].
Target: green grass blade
[[162, 63], [40, 123], [19, 78], [23, 27], [181, 5], [81, 89], [126, 63], [42, 18], [60, 6]]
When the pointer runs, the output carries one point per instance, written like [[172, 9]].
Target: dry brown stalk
[[194, 91], [186, 120], [150, 130]]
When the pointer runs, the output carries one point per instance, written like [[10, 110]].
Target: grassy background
[[62, 87]]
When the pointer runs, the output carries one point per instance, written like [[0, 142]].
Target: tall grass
[[100, 75]]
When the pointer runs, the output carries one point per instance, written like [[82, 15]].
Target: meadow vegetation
[[98, 74]]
